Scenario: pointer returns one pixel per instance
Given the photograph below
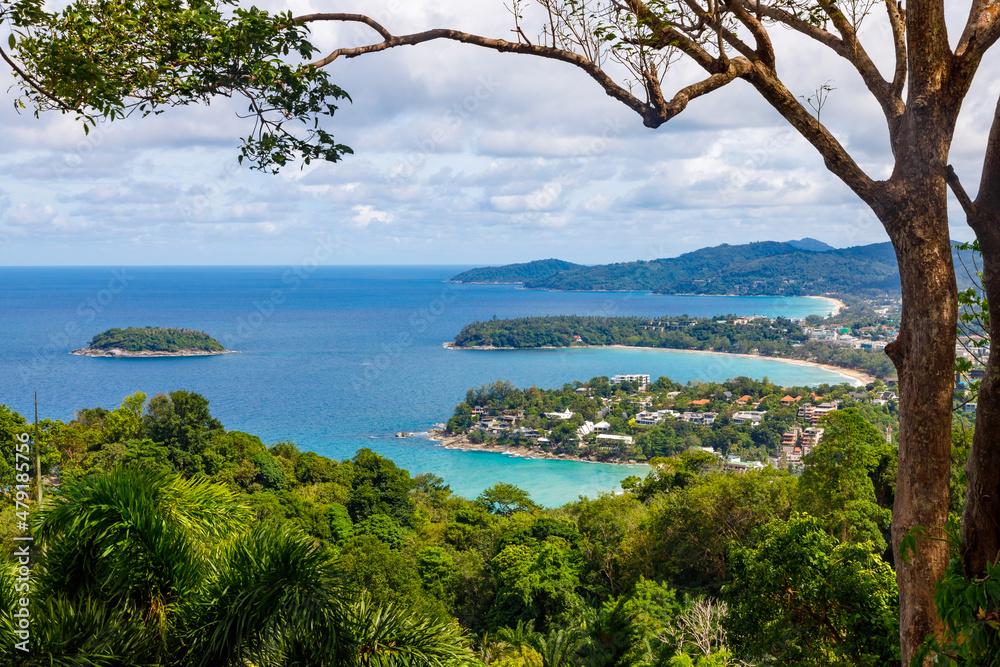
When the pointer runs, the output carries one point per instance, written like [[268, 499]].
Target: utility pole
[[38, 455]]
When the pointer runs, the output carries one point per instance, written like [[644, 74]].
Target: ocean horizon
[[335, 358]]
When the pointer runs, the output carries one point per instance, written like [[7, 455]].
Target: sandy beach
[[838, 305], [852, 373], [849, 373]]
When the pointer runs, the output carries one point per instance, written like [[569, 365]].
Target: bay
[[336, 358]]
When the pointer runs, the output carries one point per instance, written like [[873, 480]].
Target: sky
[[462, 156]]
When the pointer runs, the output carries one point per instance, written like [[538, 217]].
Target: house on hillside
[[750, 417]]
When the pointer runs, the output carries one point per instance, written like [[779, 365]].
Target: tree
[[534, 582], [801, 597], [182, 422], [506, 499], [378, 487], [12, 425], [63, 64], [145, 567], [836, 485]]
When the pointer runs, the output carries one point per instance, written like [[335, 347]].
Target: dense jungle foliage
[[165, 539]]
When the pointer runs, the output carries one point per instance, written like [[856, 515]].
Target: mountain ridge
[[761, 268]]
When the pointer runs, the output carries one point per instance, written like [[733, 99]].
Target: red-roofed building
[[700, 403]]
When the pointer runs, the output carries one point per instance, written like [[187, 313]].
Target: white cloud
[[366, 214], [456, 145], [29, 214], [544, 198]]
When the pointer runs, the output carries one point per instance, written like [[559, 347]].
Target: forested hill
[[766, 268], [529, 272], [778, 338], [155, 339]]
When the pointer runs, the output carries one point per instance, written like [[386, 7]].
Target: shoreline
[[117, 353], [838, 305], [851, 373], [462, 443]]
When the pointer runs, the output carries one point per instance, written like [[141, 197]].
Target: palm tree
[[522, 634], [395, 637], [141, 567], [559, 648]]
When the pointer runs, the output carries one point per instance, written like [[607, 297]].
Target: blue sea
[[339, 358]]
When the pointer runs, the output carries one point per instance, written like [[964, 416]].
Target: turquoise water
[[338, 358]]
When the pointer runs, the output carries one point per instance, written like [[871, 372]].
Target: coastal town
[[628, 418]]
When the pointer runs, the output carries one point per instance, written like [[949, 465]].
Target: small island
[[152, 342]]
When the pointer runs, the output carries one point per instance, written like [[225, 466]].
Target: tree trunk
[[924, 354], [980, 530]]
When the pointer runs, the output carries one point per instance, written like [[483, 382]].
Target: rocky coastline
[[119, 353], [461, 442]]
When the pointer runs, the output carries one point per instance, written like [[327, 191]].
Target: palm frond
[[393, 637], [133, 538], [86, 633], [271, 592]]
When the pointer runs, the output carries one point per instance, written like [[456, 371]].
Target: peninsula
[[858, 345], [152, 342], [630, 419]]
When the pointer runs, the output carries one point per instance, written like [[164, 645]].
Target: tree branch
[[765, 50], [835, 156], [963, 197], [792, 21], [988, 198], [737, 67], [847, 46], [650, 115], [669, 35], [657, 110], [981, 30], [346, 18], [898, 24], [35, 85]]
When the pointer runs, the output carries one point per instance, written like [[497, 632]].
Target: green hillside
[[517, 273], [765, 268]]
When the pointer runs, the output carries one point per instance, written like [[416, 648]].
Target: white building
[[652, 418], [607, 440], [706, 418], [643, 380]]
